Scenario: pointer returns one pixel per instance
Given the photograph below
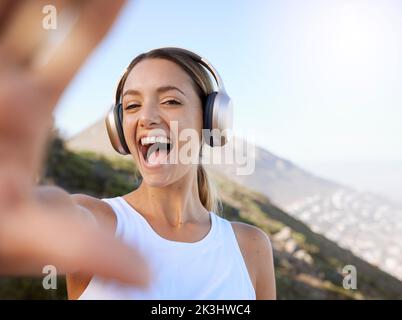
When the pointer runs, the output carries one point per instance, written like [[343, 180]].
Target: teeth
[[151, 140]]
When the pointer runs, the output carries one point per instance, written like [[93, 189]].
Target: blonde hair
[[203, 86]]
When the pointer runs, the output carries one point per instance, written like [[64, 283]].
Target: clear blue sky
[[318, 81]]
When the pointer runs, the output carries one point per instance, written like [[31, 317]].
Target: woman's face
[[162, 121]]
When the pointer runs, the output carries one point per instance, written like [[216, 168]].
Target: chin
[[157, 180], [165, 177]]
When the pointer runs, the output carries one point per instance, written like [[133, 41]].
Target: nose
[[149, 116]]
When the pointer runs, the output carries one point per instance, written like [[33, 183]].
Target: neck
[[175, 205]]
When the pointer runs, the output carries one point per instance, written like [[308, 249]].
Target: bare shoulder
[[101, 211], [250, 232], [252, 237], [257, 252]]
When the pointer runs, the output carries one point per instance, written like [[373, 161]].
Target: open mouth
[[155, 149]]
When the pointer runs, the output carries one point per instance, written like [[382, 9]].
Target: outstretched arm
[[35, 231]]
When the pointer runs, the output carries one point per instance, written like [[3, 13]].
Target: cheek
[[189, 140], [129, 130], [191, 126], [192, 119], [185, 123]]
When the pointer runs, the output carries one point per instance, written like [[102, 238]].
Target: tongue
[[157, 157]]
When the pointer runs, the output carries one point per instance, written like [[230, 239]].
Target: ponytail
[[207, 191]]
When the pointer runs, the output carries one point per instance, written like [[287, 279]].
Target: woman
[[171, 218]]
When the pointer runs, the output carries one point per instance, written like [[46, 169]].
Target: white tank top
[[212, 268]]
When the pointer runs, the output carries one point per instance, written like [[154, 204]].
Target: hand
[[33, 234]]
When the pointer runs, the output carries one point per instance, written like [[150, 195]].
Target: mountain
[[94, 138], [365, 223], [281, 180]]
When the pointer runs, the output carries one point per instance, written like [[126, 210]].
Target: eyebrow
[[159, 90]]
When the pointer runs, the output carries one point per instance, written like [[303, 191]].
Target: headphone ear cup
[[208, 118], [218, 119], [114, 128], [119, 126]]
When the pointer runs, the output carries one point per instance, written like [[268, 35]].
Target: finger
[[87, 32]]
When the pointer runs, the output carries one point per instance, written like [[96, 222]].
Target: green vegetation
[[308, 266]]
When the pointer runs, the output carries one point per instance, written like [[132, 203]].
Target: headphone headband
[[205, 63]]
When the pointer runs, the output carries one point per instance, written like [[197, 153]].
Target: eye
[[132, 106], [171, 101]]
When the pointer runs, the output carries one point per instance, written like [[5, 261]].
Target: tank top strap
[[120, 213]]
